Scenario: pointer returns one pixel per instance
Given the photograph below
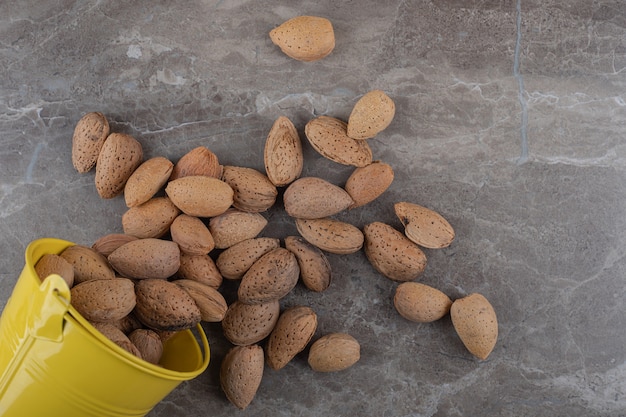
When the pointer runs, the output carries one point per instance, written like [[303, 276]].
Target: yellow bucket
[[54, 363]]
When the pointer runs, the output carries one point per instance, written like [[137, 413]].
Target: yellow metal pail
[[54, 363]]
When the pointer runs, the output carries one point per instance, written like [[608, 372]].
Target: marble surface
[[510, 122]]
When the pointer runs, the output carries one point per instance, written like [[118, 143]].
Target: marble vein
[[520, 82]]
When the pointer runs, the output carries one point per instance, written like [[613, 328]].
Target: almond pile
[[192, 223]]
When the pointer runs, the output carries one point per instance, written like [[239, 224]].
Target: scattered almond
[[200, 196], [367, 183], [393, 254], [315, 198], [199, 161], [241, 373], [89, 135], [305, 38], [329, 137], [234, 226], [420, 303], [238, 258], [292, 333], [371, 115], [315, 270], [147, 180], [108, 243], [150, 219], [475, 322], [270, 278], [424, 226], [119, 156], [331, 235], [104, 300], [163, 305], [334, 352], [192, 235], [146, 258], [211, 302], [283, 156], [246, 324], [253, 191], [199, 268]]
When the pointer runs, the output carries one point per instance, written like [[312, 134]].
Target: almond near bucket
[[54, 363]]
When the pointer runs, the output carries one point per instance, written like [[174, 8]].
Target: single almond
[[234, 226], [198, 161], [331, 235], [393, 254], [475, 321], [246, 324], [315, 270], [148, 343], [305, 38], [192, 235], [293, 332], [371, 114], [163, 305], [211, 302], [104, 300], [424, 226], [87, 264], [314, 198], [108, 243], [334, 352], [270, 278], [329, 137], [238, 258], [89, 135], [150, 219], [146, 258], [253, 191], [52, 263], [119, 156], [420, 303], [200, 196], [147, 180], [241, 372], [283, 156], [367, 183], [199, 268], [118, 337]]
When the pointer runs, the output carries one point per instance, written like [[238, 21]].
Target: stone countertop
[[510, 122]]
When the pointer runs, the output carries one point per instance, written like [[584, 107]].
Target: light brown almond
[[331, 235], [89, 135], [315, 198], [475, 321], [199, 268], [116, 336], [108, 243], [211, 302], [146, 258], [151, 219], [283, 156], [424, 226], [420, 303], [200, 196], [198, 161], [367, 183], [148, 343], [163, 305], [104, 300], [329, 137], [241, 372], [119, 156], [371, 115], [253, 191], [192, 235], [393, 254], [293, 332], [87, 264], [147, 180], [238, 258], [315, 270], [270, 278], [52, 263], [305, 38], [246, 324], [334, 352], [234, 226]]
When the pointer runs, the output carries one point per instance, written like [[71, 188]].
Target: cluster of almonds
[[191, 224]]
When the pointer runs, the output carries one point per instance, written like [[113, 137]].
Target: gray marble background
[[510, 121]]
